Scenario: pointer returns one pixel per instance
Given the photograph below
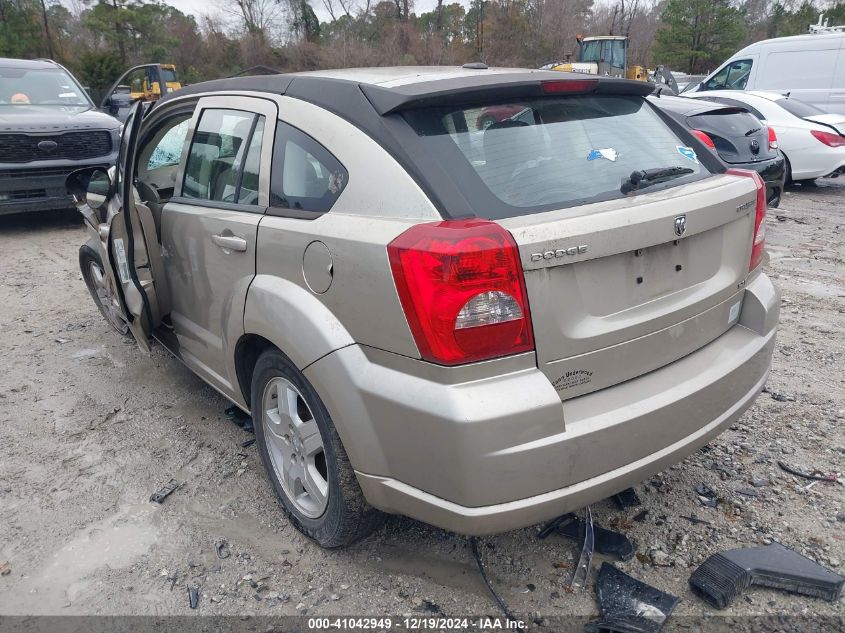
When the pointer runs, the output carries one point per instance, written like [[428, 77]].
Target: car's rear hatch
[[620, 281], [639, 296], [739, 136]]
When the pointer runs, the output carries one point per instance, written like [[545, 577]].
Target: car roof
[[804, 37], [390, 89], [30, 64], [393, 76]]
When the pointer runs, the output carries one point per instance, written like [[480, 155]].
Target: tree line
[[99, 39]]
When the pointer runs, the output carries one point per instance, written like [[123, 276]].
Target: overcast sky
[[201, 7]]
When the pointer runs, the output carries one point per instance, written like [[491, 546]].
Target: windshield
[[554, 152], [610, 51], [591, 51], [47, 86], [169, 75], [799, 108]]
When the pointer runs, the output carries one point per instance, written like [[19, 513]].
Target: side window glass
[[248, 193], [738, 74], [717, 81], [214, 164], [305, 175], [168, 150]]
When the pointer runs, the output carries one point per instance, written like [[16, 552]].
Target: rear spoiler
[[495, 86]]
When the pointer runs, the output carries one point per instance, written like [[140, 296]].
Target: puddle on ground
[[85, 353], [459, 572], [115, 542]]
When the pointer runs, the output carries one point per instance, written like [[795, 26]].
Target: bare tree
[[258, 17], [49, 39]]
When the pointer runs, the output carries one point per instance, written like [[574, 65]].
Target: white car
[[812, 141]]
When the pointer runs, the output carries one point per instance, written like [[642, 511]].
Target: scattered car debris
[[784, 218], [779, 397], [725, 576], [473, 546], [582, 571], [223, 550], [707, 496], [553, 525], [815, 474], [606, 542], [248, 442], [5, 568], [639, 518], [629, 605], [695, 520], [747, 492], [240, 418], [628, 498], [193, 596], [165, 491]]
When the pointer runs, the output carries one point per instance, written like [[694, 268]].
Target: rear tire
[[93, 272], [304, 457]]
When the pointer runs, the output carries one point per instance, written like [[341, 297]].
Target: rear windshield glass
[[542, 154], [799, 108], [729, 123]]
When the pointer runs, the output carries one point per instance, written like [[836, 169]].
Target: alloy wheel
[[108, 298], [295, 447]]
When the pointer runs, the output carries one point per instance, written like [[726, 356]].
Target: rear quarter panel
[[379, 202]]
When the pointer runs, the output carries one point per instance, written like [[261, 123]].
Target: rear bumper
[[773, 173], [40, 186], [486, 455]]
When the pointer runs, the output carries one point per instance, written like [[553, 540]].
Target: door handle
[[229, 242]]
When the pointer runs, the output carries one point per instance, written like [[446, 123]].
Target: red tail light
[[569, 85], [758, 243], [704, 138], [773, 139], [828, 138], [462, 289]]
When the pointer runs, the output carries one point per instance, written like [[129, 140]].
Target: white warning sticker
[[733, 315], [122, 264]]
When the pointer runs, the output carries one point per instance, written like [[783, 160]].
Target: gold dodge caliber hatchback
[[481, 326]]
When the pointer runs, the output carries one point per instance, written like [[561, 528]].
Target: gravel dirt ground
[[90, 427]]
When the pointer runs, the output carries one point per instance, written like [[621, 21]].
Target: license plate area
[[658, 270]]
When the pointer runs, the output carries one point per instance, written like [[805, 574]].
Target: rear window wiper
[[647, 177], [753, 130]]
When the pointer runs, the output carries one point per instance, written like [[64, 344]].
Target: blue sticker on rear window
[[688, 153], [608, 152]]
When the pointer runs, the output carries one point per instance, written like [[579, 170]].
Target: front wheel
[[304, 457], [101, 289]]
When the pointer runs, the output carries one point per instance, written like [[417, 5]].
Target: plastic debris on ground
[[165, 491], [193, 597], [238, 417], [816, 475], [629, 605], [606, 542], [628, 498], [582, 571], [725, 576]]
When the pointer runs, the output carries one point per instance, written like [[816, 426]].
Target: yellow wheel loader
[[607, 55]]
